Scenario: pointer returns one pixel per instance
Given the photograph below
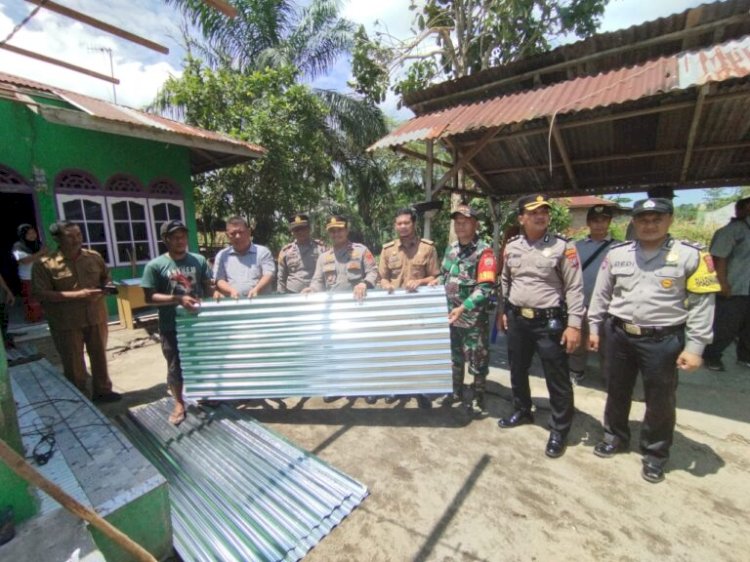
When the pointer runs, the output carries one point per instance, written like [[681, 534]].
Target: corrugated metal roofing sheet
[[239, 491], [317, 345], [120, 114], [716, 64]]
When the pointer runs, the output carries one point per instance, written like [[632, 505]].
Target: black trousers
[[655, 357], [731, 320], [526, 337]]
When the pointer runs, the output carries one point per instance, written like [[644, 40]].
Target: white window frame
[[63, 198], [152, 219], [152, 246]]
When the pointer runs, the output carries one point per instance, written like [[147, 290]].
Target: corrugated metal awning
[[680, 72], [240, 492], [323, 344]]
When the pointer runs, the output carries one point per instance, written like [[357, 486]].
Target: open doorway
[[15, 209]]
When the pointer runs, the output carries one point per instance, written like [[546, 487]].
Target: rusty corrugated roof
[[106, 112], [715, 64], [695, 28]]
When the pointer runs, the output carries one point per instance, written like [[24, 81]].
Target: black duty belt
[[537, 313], [644, 331]]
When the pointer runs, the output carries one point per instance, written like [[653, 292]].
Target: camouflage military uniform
[[297, 265], [468, 273]]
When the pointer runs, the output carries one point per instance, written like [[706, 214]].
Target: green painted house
[[118, 172]]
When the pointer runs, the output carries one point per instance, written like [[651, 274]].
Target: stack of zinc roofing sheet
[[239, 491], [324, 344]]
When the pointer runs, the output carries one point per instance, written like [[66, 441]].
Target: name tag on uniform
[[527, 313]]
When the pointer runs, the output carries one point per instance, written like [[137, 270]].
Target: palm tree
[[276, 34]]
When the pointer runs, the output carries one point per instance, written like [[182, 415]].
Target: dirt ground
[[445, 487]]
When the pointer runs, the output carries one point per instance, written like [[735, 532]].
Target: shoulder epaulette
[[287, 246], [513, 238], [389, 244], [563, 238], [621, 244], [428, 241], [695, 245]]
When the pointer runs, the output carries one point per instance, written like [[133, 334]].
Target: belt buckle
[[631, 329], [527, 313]]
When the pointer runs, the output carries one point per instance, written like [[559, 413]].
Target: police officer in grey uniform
[[297, 259], [655, 299], [591, 251], [542, 289]]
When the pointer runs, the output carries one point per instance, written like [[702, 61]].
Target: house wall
[[27, 142]]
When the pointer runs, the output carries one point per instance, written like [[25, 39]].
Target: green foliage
[[367, 66], [718, 197], [266, 107], [470, 35]]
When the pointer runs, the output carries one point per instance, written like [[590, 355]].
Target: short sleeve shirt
[[732, 242], [185, 276], [405, 260], [243, 271]]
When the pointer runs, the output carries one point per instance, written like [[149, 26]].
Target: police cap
[[600, 211], [336, 221], [299, 220], [466, 211], [532, 202], [653, 205]]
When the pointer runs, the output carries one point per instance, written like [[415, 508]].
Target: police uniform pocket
[[545, 263], [63, 280], [514, 262], [354, 272]]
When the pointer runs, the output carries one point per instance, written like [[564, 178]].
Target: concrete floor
[[446, 487]]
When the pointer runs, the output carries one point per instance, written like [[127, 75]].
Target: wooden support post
[[18, 465], [428, 185], [563, 154], [467, 156], [693, 133]]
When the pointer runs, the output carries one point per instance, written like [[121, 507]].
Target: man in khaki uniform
[[297, 259], [69, 285], [347, 266], [408, 263]]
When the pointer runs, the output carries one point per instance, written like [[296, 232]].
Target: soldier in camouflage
[[468, 272], [297, 259]]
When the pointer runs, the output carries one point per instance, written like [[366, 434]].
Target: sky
[[142, 71]]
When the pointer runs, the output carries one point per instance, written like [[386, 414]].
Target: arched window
[[11, 179], [77, 181], [124, 184], [164, 188]]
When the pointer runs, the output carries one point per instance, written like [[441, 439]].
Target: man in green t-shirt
[[175, 278]]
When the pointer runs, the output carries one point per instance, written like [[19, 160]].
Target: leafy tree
[[467, 36], [266, 107], [244, 78], [718, 197]]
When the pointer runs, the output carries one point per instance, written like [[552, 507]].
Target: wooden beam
[[470, 153], [98, 24], [57, 62], [624, 156], [419, 155], [697, 112], [224, 7], [475, 172], [563, 154]]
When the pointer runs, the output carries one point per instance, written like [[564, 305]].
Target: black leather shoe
[[424, 402], [519, 417], [652, 473], [555, 446], [371, 399], [608, 450]]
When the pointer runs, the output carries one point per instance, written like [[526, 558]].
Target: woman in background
[[27, 250]]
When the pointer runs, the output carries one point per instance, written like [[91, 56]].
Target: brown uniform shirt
[[55, 273], [405, 260], [297, 265]]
